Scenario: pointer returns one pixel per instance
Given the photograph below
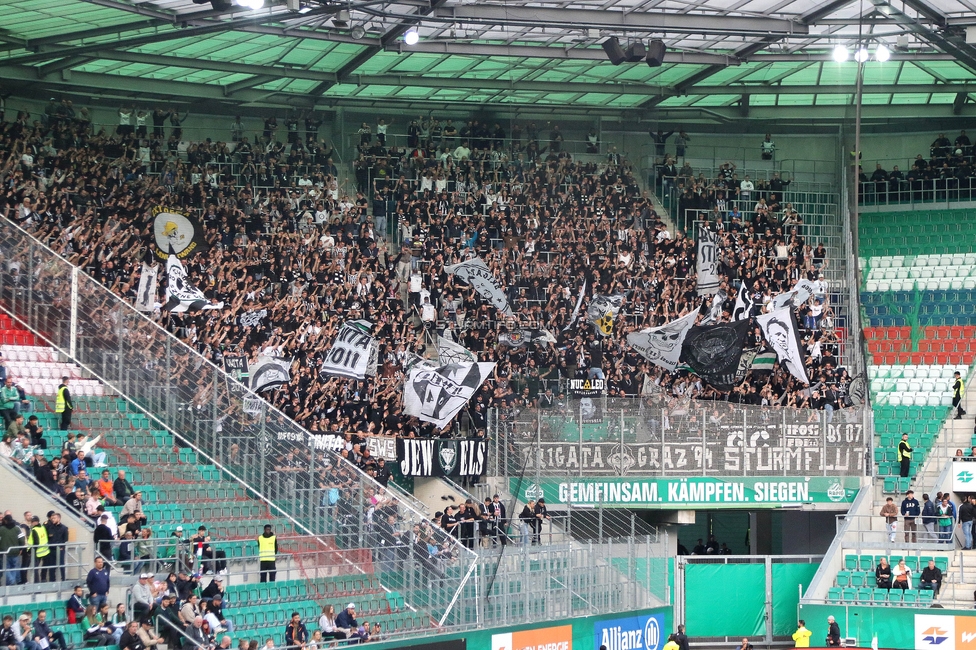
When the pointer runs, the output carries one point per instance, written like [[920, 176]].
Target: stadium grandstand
[[492, 325]]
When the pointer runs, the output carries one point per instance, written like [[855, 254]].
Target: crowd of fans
[[547, 228], [947, 174]]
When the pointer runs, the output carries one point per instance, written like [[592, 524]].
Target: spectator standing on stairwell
[[267, 551], [905, 455], [946, 513], [958, 385], [928, 519], [99, 582], [890, 513], [967, 513], [910, 509], [63, 405]]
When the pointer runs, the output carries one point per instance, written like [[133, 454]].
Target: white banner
[[351, 352], [438, 394], [269, 372], [707, 259], [384, 448], [476, 273], [148, 285], [662, 345], [182, 296], [796, 296], [779, 328]]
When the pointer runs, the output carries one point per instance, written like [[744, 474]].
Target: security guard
[[905, 455], [38, 539], [957, 387], [267, 550], [63, 404]]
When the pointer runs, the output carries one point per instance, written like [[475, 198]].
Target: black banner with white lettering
[[587, 387], [236, 367], [714, 351], [438, 457]]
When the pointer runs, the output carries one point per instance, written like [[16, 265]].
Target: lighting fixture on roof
[[841, 53], [412, 36], [358, 32], [253, 5], [882, 53], [862, 54], [341, 19]]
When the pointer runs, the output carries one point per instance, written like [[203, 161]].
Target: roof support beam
[[220, 66], [927, 11], [547, 52], [386, 39], [57, 66], [965, 54], [232, 89], [45, 54], [666, 22]]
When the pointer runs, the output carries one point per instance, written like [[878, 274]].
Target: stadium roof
[[508, 53]]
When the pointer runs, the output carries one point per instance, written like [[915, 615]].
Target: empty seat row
[[864, 562], [911, 597]]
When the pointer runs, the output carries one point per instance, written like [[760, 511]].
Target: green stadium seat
[[880, 595], [843, 578]]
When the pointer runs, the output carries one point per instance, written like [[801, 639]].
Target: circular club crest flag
[[176, 233]]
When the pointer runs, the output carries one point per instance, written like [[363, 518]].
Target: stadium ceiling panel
[[512, 53]]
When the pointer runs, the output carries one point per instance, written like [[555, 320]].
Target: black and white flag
[[576, 310], [436, 457], [270, 372], [857, 390], [351, 352], [662, 345], [714, 352], [796, 296], [182, 296], [602, 312], [714, 313], [148, 285], [235, 365], [449, 352], [476, 273], [252, 318], [176, 233], [743, 303], [438, 394], [707, 259], [779, 328]]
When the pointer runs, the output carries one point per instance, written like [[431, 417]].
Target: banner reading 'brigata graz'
[[686, 492]]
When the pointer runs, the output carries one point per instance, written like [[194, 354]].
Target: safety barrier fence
[[659, 437], [250, 442]]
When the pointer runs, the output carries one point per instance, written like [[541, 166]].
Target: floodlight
[[841, 53], [411, 37], [882, 54]]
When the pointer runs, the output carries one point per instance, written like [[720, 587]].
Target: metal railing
[[125, 350], [909, 193], [649, 437], [206, 411], [65, 562], [870, 531]]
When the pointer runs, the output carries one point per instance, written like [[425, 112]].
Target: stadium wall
[[903, 628]]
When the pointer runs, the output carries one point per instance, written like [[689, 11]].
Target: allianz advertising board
[[630, 633]]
